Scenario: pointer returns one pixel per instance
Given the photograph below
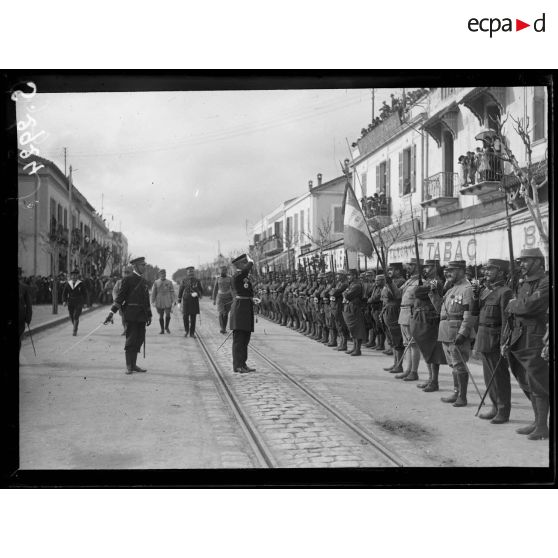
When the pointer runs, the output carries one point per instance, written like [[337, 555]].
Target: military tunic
[[391, 303], [353, 311], [133, 299], [529, 327], [241, 317]]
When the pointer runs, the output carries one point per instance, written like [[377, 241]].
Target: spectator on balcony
[[472, 166], [463, 162], [385, 110], [483, 164]]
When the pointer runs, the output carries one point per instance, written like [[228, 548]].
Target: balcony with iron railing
[[377, 211], [440, 190], [272, 246], [481, 174]]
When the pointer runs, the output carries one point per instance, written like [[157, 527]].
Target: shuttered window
[[363, 184], [337, 219], [539, 114]]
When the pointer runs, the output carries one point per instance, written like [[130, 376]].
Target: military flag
[[355, 230]]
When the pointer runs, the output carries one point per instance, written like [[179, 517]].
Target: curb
[[58, 321]]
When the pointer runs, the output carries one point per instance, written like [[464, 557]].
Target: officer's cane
[[468, 371], [230, 333], [31, 337], [489, 383]]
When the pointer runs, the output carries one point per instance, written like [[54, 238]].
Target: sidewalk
[[43, 318]]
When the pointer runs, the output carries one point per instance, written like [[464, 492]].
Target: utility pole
[[65, 173], [70, 185]]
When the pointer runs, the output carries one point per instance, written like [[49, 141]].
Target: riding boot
[[343, 345], [162, 324], [463, 381], [318, 335], [381, 343], [167, 322], [398, 359], [452, 398], [414, 359], [422, 385], [390, 368], [357, 351], [433, 384], [352, 349], [541, 430], [332, 338], [76, 323], [370, 344], [530, 427], [325, 335], [129, 361]]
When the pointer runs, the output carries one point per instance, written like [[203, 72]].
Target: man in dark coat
[[336, 301], [391, 305], [74, 295], [375, 301], [529, 314], [493, 299], [133, 299], [242, 313], [25, 306], [353, 313], [189, 296]]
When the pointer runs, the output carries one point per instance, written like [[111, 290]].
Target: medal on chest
[[246, 284]]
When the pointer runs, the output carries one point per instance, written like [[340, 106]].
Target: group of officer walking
[[439, 315]]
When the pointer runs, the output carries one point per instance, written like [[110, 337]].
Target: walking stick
[[468, 371], [493, 375], [31, 337], [404, 352], [230, 333], [82, 339]]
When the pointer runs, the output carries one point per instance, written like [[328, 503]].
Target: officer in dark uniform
[[493, 299], [528, 313], [189, 296], [336, 301], [133, 299], [391, 306], [353, 313], [74, 295], [25, 306], [242, 313]]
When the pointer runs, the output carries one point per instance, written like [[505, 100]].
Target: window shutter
[[378, 185], [363, 180], [400, 173], [414, 168], [388, 178]]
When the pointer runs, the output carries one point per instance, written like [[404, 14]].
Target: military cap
[[531, 253], [353, 271], [137, 260], [395, 265], [241, 260], [74, 271], [432, 262], [380, 276], [504, 265], [162, 271], [457, 264], [341, 272]]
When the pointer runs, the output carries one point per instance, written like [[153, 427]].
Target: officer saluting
[[242, 313], [133, 299]]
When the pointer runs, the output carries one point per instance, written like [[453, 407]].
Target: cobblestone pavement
[[80, 411], [297, 430], [414, 424]]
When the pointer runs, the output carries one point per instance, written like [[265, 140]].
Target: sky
[[181, 173]]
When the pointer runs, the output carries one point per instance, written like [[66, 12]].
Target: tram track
[[257, 433]]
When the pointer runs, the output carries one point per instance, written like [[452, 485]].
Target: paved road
[[79, 409]]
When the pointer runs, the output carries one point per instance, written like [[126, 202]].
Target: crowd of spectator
[[397, 105], [99, 289], [375, 205], [485, 163]]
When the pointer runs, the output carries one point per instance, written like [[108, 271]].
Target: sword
[[230, 333], [404, 353], [82, 339], [468, 371], [31, 337]]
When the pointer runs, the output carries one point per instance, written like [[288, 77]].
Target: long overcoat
[[190, 304], [242, 309]]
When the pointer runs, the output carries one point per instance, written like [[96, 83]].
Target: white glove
[[256, 300], [194, 295]]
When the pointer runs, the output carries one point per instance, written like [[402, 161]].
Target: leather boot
[[489, 414], [167, 322], [452, 398], [332, 338], [325, 335], [530, 428], [433, 384], [76, 323], [357, 351], [371, 343], [162, 324], [502, 416], [381, 344], [541, 430], [343, 345], [390, 368], [463, 381], [319, 333], [128, 362], [135, 367], [422, 385], [398, 359], [411, 377], [352, 349]]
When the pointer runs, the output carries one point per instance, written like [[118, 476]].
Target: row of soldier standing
[[441, 320]]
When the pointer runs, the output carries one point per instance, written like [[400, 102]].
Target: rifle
[[419, 267]]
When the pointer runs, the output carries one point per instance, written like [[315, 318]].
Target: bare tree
[[387, 237], [322, 239], [528, 188]]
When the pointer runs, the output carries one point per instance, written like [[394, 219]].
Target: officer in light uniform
[[163, 297], [457, 329], [222, 297]]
